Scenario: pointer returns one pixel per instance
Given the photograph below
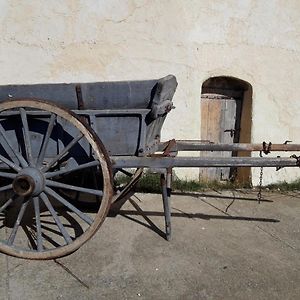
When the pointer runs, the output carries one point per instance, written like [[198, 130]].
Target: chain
[[259, 196], [297, 159], [266, 149]]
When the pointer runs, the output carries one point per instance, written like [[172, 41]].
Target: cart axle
[[29, 182]]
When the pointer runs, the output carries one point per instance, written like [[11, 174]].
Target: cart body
[[62, 144], [126, 115]]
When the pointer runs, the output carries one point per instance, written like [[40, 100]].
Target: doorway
[[226, 117]]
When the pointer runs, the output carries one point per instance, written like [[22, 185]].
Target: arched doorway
[[226, 117]]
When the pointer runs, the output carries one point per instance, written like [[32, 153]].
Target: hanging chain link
[[259, 195], [266, 149]]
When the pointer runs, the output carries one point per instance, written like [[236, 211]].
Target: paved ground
[[224, 246]]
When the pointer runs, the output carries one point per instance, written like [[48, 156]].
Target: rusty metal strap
[[171, 147], [266, 148], [297, 159]]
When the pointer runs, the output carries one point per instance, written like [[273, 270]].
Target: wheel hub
[[29, 182]]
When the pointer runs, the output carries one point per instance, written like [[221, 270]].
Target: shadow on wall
[[226, 117]]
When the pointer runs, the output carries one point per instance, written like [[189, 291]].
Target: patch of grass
[[196, 186], [285, 186], [150, 183]]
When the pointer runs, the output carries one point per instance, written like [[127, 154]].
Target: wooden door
[[220, 123]]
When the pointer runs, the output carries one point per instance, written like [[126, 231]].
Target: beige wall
[[256, 41]]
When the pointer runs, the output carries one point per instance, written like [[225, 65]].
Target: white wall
[[75, 40]]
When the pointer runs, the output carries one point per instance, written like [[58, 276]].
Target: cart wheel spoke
[[13, 151], [46, 140], [80, 214], [6, 187], [8, 175], [26, 136], [9, 163], [13, 234], [6, 204], [63, 152], [56, 218], [72, 187], [73, 169], [39, 239]]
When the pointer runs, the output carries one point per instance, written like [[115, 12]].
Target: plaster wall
[[254, 40]]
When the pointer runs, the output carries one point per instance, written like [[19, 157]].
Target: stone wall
[[76, 40]]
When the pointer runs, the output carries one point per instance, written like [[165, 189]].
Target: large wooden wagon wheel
[[41, 147]]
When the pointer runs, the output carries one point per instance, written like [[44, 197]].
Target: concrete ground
[[224, 246]]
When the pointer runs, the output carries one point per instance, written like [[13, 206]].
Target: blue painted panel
[[119, 134], [118, 95], [63, 94]]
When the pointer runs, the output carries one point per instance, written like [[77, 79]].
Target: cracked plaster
[[76, 40]]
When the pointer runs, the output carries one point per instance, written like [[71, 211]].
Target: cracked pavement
[[224, 246]]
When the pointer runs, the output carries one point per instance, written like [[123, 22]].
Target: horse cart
[[62, 145]]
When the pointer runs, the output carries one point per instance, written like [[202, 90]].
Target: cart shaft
[[191, 145], [190, 162]]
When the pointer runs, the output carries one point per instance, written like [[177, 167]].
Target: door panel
[[219, 116]]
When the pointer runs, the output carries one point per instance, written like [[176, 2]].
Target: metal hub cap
[[29, 182]]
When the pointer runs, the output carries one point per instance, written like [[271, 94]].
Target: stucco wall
[[256, 41]]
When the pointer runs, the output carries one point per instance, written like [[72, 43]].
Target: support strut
[[166, 180]]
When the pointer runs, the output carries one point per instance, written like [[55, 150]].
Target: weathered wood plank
[[205, 162], [194, 145]]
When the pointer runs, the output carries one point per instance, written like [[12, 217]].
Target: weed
[[285, 186], [150, 183]]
